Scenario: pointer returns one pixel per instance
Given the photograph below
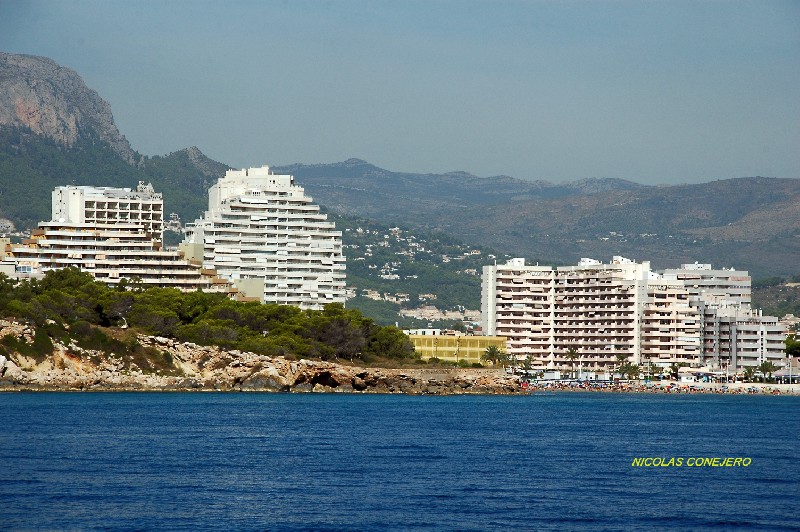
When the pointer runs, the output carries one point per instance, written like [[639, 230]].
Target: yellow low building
[[455, 348]]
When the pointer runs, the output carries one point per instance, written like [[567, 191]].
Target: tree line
[[71, 300]]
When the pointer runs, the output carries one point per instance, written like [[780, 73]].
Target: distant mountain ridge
[[56, 131], [748, 223], [358, 175]]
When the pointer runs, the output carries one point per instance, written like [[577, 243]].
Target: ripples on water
[[267, 461]]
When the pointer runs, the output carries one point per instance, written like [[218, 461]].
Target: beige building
[[671, 326], [604, 312]]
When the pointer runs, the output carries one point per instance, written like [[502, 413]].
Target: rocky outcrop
[[53, 101], [206, 368], [207, 166]]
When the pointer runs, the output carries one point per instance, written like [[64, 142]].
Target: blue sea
[[379, 462]]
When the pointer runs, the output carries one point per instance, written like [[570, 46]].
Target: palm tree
[[572, 355], [622, 359], [675, 367], [494, 355], [629, 370], [767, 368], [749, 373], [527, 366]]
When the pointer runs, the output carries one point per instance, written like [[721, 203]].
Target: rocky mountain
[[54, 130], [53, 101], [208, 167]]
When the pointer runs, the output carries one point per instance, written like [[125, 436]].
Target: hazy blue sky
[[655, 92]]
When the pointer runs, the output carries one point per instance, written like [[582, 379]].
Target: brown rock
[[53, 101]]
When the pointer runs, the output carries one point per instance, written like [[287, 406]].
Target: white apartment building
[[544, 312], [108, 206], [723, 287], [267, 237], [736, 336], [605, 312], [112, 233]]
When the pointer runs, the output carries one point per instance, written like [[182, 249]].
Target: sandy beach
[[669, 387]]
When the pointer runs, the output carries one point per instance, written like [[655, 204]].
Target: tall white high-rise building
[[604, 312], [264, 234]]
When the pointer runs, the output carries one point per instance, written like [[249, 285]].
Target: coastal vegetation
[[777, 296], [495, 356], [70, 305]]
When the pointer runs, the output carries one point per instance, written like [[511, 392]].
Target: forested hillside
[[31, 166], [70, 305]]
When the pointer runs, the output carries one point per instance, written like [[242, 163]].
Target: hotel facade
[[270, 240], [606, 312], [113, 234]]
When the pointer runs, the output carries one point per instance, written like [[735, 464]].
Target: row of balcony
[[123, 207]]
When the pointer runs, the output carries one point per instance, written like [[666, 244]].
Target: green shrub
[[13, 343], [81, 328], [72, 297], [39, 349], [42, 344]]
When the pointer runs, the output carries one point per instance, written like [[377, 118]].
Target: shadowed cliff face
[[53, 101]]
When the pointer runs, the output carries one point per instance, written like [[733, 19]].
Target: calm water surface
[[287, 462]]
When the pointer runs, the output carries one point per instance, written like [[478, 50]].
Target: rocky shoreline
[[191, 367], [208, 368]]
